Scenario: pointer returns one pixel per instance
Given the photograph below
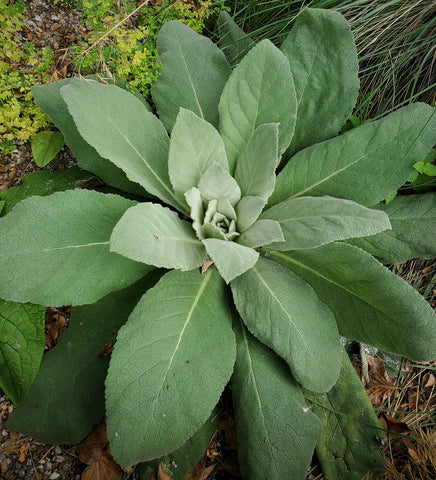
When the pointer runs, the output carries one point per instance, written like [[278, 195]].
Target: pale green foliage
[[210, 161]]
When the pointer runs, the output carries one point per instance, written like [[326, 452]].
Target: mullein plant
[[250, 239]]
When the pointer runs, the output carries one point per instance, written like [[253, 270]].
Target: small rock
[[48, 466], [58, 450], [59, 459], [54, 476]]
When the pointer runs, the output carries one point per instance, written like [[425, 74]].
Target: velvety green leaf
[[194, 72], [413, 220], [262, 232], [155, 235], [48, 97], [323, 60], [66, 401], [349, 445], [2, 205], [22, 343], [122, 130], [180, 462], [284, 313], [309, 222], [43, 183], [276, 432], [45, 146], [217, 183], [55, 249], [234, 42], [169, 367], [230, 258], [365, 164], [248, 210], [370, 303], [195, 202], [253, 96], [194, 146], [255, 170]]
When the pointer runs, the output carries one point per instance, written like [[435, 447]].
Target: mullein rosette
[[264, 217]]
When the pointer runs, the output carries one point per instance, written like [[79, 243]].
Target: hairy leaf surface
[[230, 258], [255, 170], [195, 144], [309, 222], [49, 98], [349, 445], [413, 220], [170, 364], [323, 60], [194, 72], [22, 343], [370, 303], [155, 235], [59, 249], [260, 90], [262, 232], [121, 129], [365, 164], [276, 432], [284, 313], [66, 400], [248, 210]]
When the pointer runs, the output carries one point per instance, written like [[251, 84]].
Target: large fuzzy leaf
[[284, 313], [234, 42], [217, 183], [309, 222], [323, 60], [349, 446], [248, 210], [194, 72], [255, 171], [22, 343], [121, 129], [66, 400], [55, 249], [276, 432], [195, 145], [48, 97], [370, 303], [413, 220], [170, 364], [262, 232], [155, 235], [254, 96], [230, 258], [365, 164]]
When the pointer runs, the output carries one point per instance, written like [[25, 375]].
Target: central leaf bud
[[219, 220]]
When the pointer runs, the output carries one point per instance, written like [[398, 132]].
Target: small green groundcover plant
[[243, 249]]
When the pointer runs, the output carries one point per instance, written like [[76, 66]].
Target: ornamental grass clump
[[244, 248]]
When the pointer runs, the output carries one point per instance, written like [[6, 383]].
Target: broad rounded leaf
[[195, 144], [194, 72], [284, 313], [55, 249], [45, 146], [262, 232], [309, 222], [22, 343], [366, 164], [260, 90], [66, 400], [413, 220], [48, 97], [248, 210], [217, 183], [230, 258], [155, 235], [276, 432], [349, 446], [119, 126], [323, 60], [169, 367], [370, 303]]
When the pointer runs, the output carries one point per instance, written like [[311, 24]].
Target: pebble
[[54, 475], [59, 459]]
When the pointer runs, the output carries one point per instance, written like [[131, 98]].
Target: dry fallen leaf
[[23, 452], [161, 475], [394, 425], [103, 469]]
